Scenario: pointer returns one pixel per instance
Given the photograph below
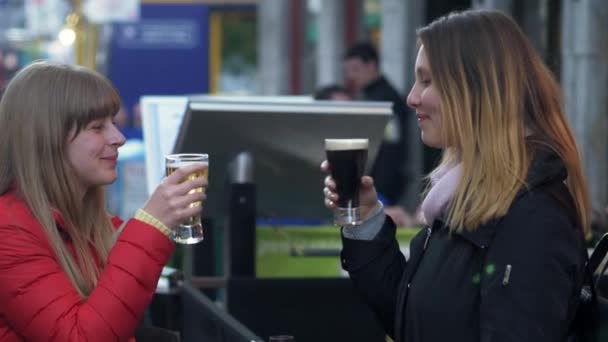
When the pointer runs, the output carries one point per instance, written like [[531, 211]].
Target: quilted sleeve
[[40, 303]]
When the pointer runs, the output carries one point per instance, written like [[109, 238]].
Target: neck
[[81, 191], [444, 184], [371, 79]]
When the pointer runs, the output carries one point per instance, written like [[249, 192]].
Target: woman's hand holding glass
[[368, 199], [170, 202]]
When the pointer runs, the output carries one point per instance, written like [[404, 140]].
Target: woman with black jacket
[[501, 257]]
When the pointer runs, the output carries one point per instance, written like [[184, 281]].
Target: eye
[[95, 125]]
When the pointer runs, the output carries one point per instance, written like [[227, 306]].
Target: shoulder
[[8, 202], [15, 213], [116, 222], [539, 206], [22, 235], [538, 224]]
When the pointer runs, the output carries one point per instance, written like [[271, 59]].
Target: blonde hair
[[495, 92], [43, 107]]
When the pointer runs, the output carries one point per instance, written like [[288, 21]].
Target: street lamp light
[[67, 35]]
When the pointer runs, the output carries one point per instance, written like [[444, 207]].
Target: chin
[[109, 180], [430, 142]]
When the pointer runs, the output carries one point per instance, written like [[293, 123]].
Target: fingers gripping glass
[[347, 158], [190, 231]]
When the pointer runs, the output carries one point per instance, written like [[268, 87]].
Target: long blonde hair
[[42, 107], [495, 91]]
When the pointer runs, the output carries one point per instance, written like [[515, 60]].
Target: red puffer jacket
[[38, 302]]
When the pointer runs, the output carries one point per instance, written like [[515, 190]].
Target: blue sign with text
[[165, 53], [159, 34]]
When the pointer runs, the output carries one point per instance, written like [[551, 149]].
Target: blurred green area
[[286, 251], [239, 39]]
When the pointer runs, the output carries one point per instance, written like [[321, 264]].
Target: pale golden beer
[[189, 231], [196, 219]]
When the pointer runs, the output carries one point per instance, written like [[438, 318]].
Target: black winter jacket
[[517, 278]]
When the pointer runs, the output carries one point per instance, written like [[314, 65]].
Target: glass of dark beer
[[347, 158]]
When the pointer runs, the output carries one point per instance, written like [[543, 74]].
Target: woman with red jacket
[[65, 272]]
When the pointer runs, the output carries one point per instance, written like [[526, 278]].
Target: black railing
[[202, 320]]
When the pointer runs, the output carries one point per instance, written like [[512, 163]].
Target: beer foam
[[346, 144], [178, 164]]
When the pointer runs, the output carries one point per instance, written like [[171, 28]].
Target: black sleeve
[[376, 267], [530, 277]]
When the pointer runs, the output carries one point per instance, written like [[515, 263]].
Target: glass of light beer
[[347, 158], [191, 230]]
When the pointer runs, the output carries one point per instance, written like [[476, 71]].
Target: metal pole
[[331, 42], [273, 52], [584, 81]]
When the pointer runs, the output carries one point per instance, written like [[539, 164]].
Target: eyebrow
[[421, 71]]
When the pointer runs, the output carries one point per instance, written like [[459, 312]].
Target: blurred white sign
[[45, 17], [161, 118], [108, 11]]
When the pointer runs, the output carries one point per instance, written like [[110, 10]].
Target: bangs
[[94, 98]]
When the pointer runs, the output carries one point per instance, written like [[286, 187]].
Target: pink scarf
[[443, 186]]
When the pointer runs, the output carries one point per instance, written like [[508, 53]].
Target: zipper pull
[[507, 276], [428, 237]]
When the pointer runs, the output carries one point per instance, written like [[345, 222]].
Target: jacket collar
[[60, 222], [482, 236], [58, 219], [546, 167]]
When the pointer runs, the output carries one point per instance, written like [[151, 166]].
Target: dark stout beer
[[347, 158]]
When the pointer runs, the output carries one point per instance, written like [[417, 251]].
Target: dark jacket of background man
[[389, 169]]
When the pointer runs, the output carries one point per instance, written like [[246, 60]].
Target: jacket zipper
[[398, 336], [428, 237]]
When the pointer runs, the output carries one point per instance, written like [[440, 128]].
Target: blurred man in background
[[362, 73], [333, 92]]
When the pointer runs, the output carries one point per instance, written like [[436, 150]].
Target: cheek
[[82, 153], [72, 155], [438, 141], [430, 98]]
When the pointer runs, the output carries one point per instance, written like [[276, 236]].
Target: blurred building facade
[[291, 47], [571, 36]]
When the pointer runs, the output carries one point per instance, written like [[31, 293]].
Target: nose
[[116, 138], [413, 98]]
